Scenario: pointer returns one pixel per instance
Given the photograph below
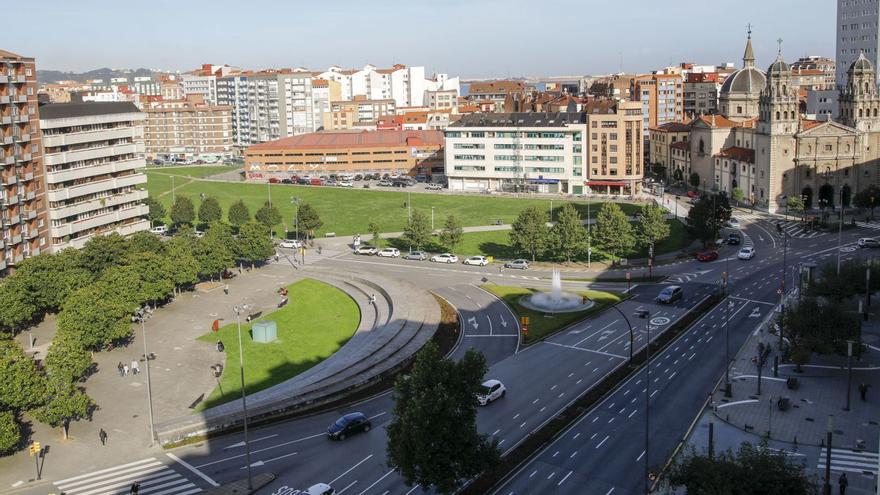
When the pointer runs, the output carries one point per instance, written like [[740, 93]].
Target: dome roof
[[778, 66], [861, 64], [747, 80]]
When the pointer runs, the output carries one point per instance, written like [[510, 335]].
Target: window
[[828, 147], [470, 157]]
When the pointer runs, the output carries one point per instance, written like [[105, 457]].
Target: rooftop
[[672, 127], [738, 153], [71, 110], [364, 139], [524, 119]]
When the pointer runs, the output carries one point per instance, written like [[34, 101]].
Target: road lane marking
[[334, 480], [193, 469], [376, 482], [565, 478], [603, 441]]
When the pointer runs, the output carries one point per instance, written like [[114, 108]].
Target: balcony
[[107, 219], [24, 137], [9, 160], [29, 214], [26, 177], [6, 119], [16, 239], [4, 79], [96, 204], [19, 99], [4, 99], [13, 220], [90, 153], [10, 180], [22, 119], [87, 137], [19, 79], [2, 262], [55, 177], [94, 187], [31, 234]]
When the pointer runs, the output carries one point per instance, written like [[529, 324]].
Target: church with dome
[[760, 143]]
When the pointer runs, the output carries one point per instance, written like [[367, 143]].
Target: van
[[670, 294]]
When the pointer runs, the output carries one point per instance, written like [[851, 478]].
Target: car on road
[[159, 229], [286, 181], [868, 242], [388, 252], [707, 256], [670, 294], [746, 253], [348, 425], [734, 239], [319, 489], [384, 183], [693, 194], [199, 233], [303, 181], [290, 244], [519, 264], [490, 391], [331, 182], [733, 223], [433, 186], [369, 250], [415, 255], [345, 183], [476, 260], [444, 258]]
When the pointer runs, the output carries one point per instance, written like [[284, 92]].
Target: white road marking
[[194, 470], [334, 480]]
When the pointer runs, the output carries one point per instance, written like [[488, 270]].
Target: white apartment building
[[94, 160], [857, 32], [295, 104], [200, 85], [405, 85]]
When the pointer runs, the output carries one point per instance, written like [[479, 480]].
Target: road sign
[[525, 329], [524, 320]]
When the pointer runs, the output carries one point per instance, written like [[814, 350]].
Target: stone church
[[761, 144]]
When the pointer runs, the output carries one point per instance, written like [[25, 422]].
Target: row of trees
[[708, 215], [418, 231]]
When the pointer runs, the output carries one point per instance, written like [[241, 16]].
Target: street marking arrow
[[756, 313], [473, 321], [503, 322]]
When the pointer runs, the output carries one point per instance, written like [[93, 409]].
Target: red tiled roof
[[809, 123], [739, 154], [681, 145], [353, 140], [719, 121], [672, 127], [496, 86]]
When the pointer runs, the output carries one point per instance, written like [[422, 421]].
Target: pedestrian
[[843, 482], [125, 370], [135, 488], [226, 289], [103, 436], [135, 369], [276, 257], [120, 368], [220, 346]]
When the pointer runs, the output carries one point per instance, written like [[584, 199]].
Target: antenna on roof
[[749, 26], [779, 41]]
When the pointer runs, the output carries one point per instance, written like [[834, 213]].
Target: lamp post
[[727, 386], [631, 336], [295, 200], [238, 309], [647, 408], [432, 219], [782, 285], [827, 487], [840, 230], [141, 316]]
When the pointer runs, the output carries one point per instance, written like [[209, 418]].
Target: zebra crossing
[[154, 477], [853, 461], [865, 225], [793, 228]]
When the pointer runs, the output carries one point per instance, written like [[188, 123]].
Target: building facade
[[24, 225], [700, 94], [857, 32], [348, 114], [660, 141], [405, 85], [188, 129], [94, 158], [662, 98]]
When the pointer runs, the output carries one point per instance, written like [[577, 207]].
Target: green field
[[316, 322], [191, 170], [349, 211], [541, 326]]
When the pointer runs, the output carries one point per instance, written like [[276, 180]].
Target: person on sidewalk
[[102, 435], [135, 368], [135, 488], [125, 370], [226, 289], [863, 391], [843, 483], [120, 368]]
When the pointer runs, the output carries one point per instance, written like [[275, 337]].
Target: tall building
[[738, 99], [94, 158], [24, 225], [662, 98], [323, 93], [700, 93], [405, 85], [203, 85], [857, 32], [187, 129]]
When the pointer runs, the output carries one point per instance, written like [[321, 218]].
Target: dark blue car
[[349, 424]]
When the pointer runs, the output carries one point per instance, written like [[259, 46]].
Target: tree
[[18, 308], [253, 245], [868, 197], [96, 315], [145, 242], [183, 212], [210, 210], [376, 239], [67, 360], [529, 233], [10, 432], [268, 216], [182, 263], [125, 282], [706, 217], [569, 234], [49, 279], [652, 227], [737, 194], [694, 180], [418, 230], [752, 469], [451, 233], [22, 386], [613, 233], [157, 210], [433, 438], [239, 214], [66, 403], [820, 328], [156, 276], [796, 204], [308, 220], [102, 251], [214, 253]]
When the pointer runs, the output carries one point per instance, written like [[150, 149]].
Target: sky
[[467, 38]]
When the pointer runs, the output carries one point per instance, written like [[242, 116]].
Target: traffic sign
[[524, 320], [525, 329], [34, 448]]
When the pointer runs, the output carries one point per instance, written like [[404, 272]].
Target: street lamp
[[643, 314], [432, 219], [238, 310], [295, 200], [840, 230], [140, 316]]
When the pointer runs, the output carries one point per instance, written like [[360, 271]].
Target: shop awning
[[618, 183]]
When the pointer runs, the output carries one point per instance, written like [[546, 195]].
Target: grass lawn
[[316, 322], [539, 326], [192, 171], [349, 211]]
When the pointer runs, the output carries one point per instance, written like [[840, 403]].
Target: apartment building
[[700, 94], [94, 158], [595, 151], [203, 85], [254, 98], [323, 93], [405, 85], [857, 33], [348, 114], [346, 152], [662, 98], [187, 129], [442, 99], [496, 92], [23, 222], [816, 62]]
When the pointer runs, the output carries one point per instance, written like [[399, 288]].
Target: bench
[[330, 234]]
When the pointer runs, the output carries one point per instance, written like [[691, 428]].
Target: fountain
[[556, 301]]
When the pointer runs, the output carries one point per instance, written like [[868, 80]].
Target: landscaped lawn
[[540, 326], [316, 322], [192, 171]]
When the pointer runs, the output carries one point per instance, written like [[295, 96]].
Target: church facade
[[762, 145]]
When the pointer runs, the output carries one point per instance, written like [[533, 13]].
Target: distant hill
[[105, 73]]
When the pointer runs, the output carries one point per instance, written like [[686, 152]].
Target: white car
[[746, 253], [345, 183], [290, 244], [492, 390], [476, 260], [369, 250], [868, 242], [319, 489], [199, 233], [733, 223], [444, 258], [161, 229], [389, 253]]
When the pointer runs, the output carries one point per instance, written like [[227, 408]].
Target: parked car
[[304, 181], [330, 182], [670, 294], [476, 260], [734, 239], [707, 256], [273, 180], [693, 194], [868, 242], [316, 182], [490, 391], [159, 229], [319, 489], [415, 255], [400, 183], [348, 425], [384, 183], [358, 177], [519, 264], [290, 244], [433, 186], [421, 178], [388, 252], [746, 253], [733, 223], [368, 250], [444, 258], [286, 181], [345, 183], [199, 233]]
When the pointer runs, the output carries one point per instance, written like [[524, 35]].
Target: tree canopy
[[418, 230], [210, 210], [253, 244], [568, 234], [183, 212], [529, 233], [22, 386], [451, 233], [308, 220], [157, 210], [613, 232], [96, 315], [239, 214], [707, 216], [268, 215], [651, 227]]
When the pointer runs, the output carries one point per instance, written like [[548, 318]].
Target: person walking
[[125, 370], [102, 435], [135, 488], [843, 483], [226, 289], [120, 368], [135, 368]]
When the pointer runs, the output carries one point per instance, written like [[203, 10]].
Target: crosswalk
[[793, 228], [865, 225], [155, 478], [853, 461]]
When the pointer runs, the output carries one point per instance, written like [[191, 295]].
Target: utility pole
[[647, 409], [173, 198], [589, 237], [827, 486], [727, 386], [238, 309], [141, 318]]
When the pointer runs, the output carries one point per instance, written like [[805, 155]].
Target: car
[[490, 391], [444, 258], [316, 182], [734, 239], [476, 260], [303, 181], [159, 229], [707, 256], [330, 182], [670, 294], [415, 255], [868, 242], [746, 253], [290, 244], [318, 489], [345, 183], [358, 177], [433, 186], [273, 180], [199, 233], [400, 183], [369, 250], [287, 181], [520, 264], [693, 201], [421, 178], [349, 424], [388, 252], [733, 223], [384, 183], [693, 194]]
